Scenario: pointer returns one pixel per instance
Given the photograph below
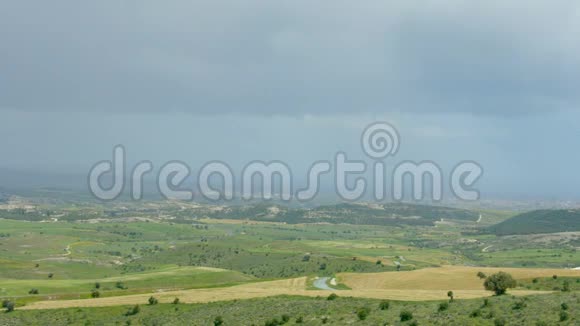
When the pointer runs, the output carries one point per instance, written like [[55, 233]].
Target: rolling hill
[[539, 221]]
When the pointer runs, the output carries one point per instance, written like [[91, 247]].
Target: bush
[[564, 316], [285, 318], [133, 311], [153, 301], [9, 306], [564, 306], [566, 286], [518, 305], [499, 283], [499, 322], [555, 276], [363, 313], [120, 285], [332, 297], [95, 294], [50, 275], [218, 321], [476, 313], [481, 275], [384, 305], [97, 285], [33, 291], [176, 301], [406, 315], [486, 302], [443, 306], [299, 320]]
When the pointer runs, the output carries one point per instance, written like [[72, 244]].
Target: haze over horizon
[[295, 82]]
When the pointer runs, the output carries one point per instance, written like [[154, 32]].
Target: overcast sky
[[492, 81]]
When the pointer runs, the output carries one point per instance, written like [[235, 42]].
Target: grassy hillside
[[540, 221], [292, 310]]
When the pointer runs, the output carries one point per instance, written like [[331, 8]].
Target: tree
[[450, 295], [443, 306], [481, 275], [499, 283], [566, 286], [97, 285], [33, 291], [95, 294], [50, 275], [176, 301], [153, 301]]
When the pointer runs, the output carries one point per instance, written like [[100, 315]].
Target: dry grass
[[441, 278], [420, 285]]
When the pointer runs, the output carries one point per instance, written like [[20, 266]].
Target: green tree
[[481, 275], [9, 306], [332, 297], [95, 293], [443, 306], [176, 301], [450, 295], [499, 283]]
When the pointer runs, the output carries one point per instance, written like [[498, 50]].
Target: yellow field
[[425, 284]]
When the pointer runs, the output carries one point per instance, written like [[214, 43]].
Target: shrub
[[95, 294], [486, 302], [566, 286], [499, 283], [499, 322], [384, 305], [564, 316], [9, 306], [332, 297], [299, 320], [176, 301], [443, 306], [481, 275], [285, 318], [218, 321], [564, 306], [555, 276], [363, 313], [120, 285], [133, 311], [476, 313], [406, 315], [518, 305], [153, 301], [97, 285]]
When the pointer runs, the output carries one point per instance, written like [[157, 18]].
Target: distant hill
[[539, 221], [369, 214]]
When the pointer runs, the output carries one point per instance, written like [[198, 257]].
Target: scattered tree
[[176, 301], [555, 276], [564, 306], [564, 316], [33, 291], [450, 295], [499, 283], [153, 301], [133, 311], [97, 285], [481, 275], [95, 294], [332, 296], [50, 275]]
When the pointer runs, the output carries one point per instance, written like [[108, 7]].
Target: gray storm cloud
[[290, 57]]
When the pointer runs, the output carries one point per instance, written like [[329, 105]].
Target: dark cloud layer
[[290, 57]]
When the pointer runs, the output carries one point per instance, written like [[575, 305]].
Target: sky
[[495, 82]]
